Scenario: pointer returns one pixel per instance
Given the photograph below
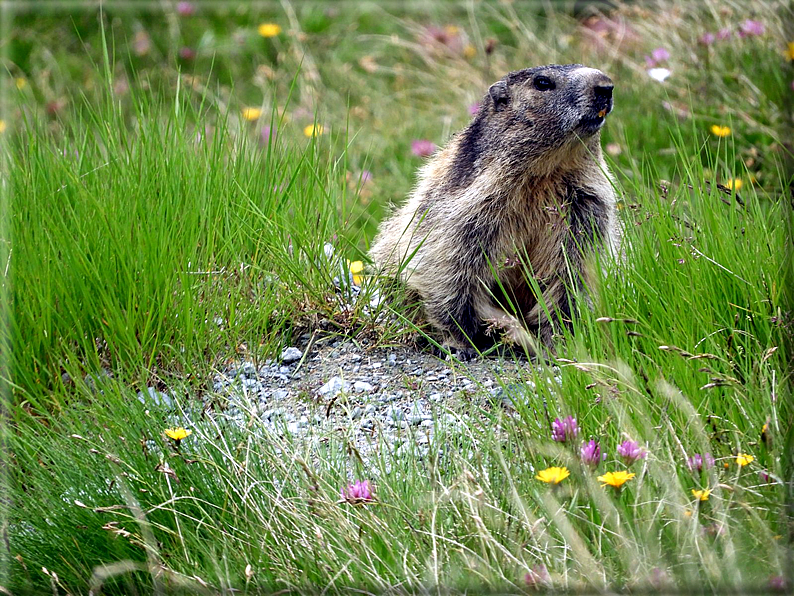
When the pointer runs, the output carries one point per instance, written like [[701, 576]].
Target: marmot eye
[[544, 83]]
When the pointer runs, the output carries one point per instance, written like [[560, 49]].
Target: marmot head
[[557, 101], [534, 120]]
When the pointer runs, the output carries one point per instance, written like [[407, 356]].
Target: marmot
[[509, 210]]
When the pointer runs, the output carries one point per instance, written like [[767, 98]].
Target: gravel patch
[[396, 398]]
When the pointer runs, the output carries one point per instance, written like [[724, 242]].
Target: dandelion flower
[[20, 83], [3, 126], [269, 29], [701, 495], [356, 267], [720, 131], [469, 51], [734, 183], [357, 493], [177, 434], [790, 50], [616, 479], [251, 114], [313, 130], [553, 475], [743, 459]]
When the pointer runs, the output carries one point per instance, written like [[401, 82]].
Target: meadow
[[172, 175]]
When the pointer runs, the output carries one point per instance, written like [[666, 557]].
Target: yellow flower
[[469, 51], [269, 29], [743, 459], [356, 267], [177, 434], [251, 113], [451, 30], [616, 479], [720, 131], [553, 475], [313, 130], [701, 495], [20, 82], [734, 183], [790, 50], [3, 126]]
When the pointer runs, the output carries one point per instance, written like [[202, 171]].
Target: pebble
[[362, 387], [290, 354], [334, 387]]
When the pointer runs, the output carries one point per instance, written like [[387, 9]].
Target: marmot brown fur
[[509, 210]]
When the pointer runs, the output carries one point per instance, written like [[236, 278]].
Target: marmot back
[[509, 209]]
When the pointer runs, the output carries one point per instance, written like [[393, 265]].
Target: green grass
[[153, 237]]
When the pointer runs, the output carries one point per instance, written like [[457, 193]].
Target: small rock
[[334, 386], [362, 387], [280, 394], [291, 354], [356, 413], [394, 414]]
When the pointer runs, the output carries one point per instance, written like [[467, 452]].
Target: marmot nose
[[604, 90]]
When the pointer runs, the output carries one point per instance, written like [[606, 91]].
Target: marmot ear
[[499, 95]]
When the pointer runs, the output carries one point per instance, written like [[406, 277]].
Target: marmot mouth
[[592, 124]]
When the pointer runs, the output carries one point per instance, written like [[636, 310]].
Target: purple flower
[[696, 463], [630, 451], [366, 176], [723, 34], [185, 9], [764, 476], [265, 133], [657, 56], [187, 53], [660, 54], [590, 453], [474, 108], [422, 147], [565, 429], [750, 27], [358, 492], [777, 583], [707, 39], [537, 576]]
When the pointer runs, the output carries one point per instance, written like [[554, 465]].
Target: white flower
[[659, 74]]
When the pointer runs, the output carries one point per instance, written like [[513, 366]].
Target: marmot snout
[[508, 212]]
